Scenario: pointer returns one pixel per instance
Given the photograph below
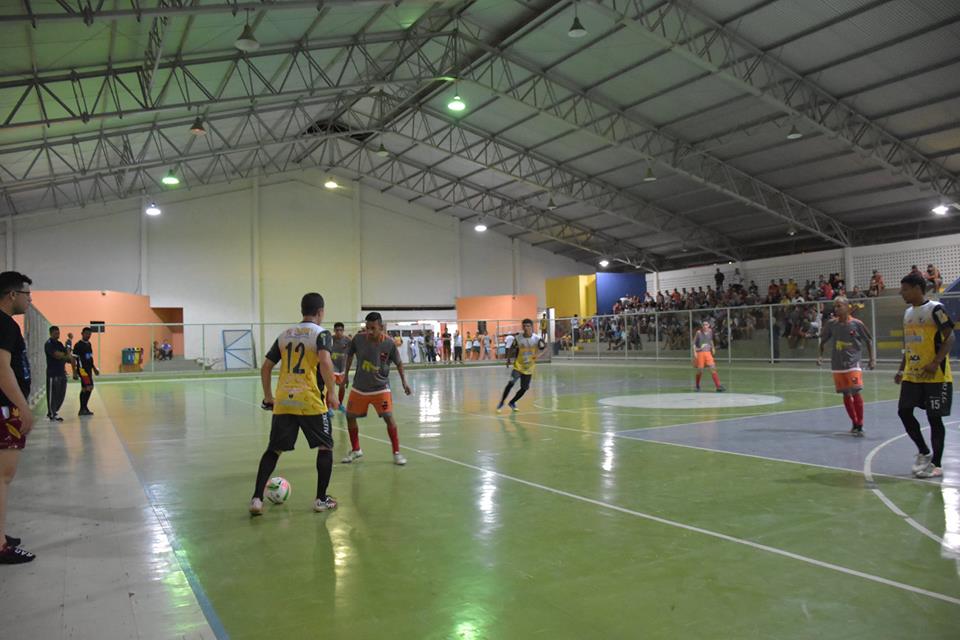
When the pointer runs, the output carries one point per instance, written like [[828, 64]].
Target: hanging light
[[576, 29], [791, 231], [604, 263], [551, 205], [197, 127], [152, 209], [481, 225], [246, 42], [382, 151], [941, 210], [794, 133], [331, 183], [649, 175], [457, 104], [170, 179]]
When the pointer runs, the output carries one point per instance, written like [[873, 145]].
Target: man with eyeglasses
[[16, 418]]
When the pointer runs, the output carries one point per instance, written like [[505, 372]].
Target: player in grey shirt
[[850, 339], [374, 351]]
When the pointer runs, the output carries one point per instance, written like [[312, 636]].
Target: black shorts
[[933, 397], [524, 378], [285, 427]]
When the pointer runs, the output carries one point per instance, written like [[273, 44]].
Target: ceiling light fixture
[[197, 127], [940, 210], [791, 231], [604, 263], [170, 179], [481, 226], [794, 133], [457, 104], [246, 42], [331, 183], [382, 151], [576, 29], [152, 209], [649, 175], [551, 205]]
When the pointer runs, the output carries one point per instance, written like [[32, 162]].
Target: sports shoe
[[12, 542], [513, 407], [857, 431], [58, 418], [324, 504], [929, 471], [499, 407], [353, 455], [921, 462], [85, 412], [256, 507], [399, 460], [15, 555], [721, 389], [697, 389]]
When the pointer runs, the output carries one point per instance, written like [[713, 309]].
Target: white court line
[[890, 504], [677, 363], [687, 527], [672, 523], [622, 435]]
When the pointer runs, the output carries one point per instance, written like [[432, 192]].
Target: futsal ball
[[278, 490]]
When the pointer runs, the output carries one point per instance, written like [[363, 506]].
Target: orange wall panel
[[493, 309], [73, 310]]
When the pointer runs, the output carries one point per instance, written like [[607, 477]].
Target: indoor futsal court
[[479, 319]]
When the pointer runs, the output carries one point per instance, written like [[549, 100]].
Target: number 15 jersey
[[299, 392]]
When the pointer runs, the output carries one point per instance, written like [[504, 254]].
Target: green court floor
[[542, 523]]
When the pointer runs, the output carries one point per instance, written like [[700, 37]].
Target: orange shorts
[[848, 380], [358, 402], [703, 359]]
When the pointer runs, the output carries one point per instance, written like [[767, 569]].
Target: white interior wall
[[357, 247]]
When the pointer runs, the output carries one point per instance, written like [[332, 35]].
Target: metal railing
[[755, 333], [178, 348]]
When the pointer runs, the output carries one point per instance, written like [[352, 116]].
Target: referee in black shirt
[[57, 358]]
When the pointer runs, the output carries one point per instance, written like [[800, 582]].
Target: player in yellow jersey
[[924, 376], [303, 353], [523, 351]]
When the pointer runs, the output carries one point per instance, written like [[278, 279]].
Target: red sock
[[848, 403], [394, 439], [858, 407], [699, 375], [354, 437], [716, 378]]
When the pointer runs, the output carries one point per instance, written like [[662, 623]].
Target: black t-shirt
[[446, 339], [11, 340], [83, 352], [56, 367]]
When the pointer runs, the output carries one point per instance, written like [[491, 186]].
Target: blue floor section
[[818, 436]]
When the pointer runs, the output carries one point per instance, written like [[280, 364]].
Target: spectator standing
[[457, 346], [718, 277], [934, 281], [876, 284], [445, 341], [57, 358]]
